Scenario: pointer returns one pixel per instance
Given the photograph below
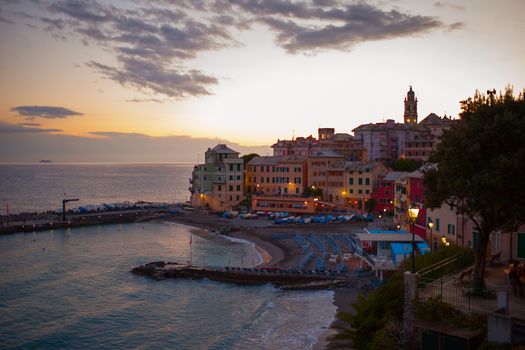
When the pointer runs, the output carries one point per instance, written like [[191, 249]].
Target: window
[[367, 191], [238, 167], [238, 177], [360, 181], [237, 197], [437, 225], [231, 177], [475, 239], [219, 187], [367, 181], [351, 191], [231, 188], [451, 229], [231, 198], [238, 187], [231, 167], [521, 245], [297, 190], [351, 181], [360, 191]]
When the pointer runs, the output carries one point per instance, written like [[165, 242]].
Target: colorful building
[[326, 172], [277, 176], [412, 140], [361, 180], [416, 195], [328, 140], [384, 193], [218, 183]]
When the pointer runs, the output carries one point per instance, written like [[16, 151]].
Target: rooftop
[[222, 148]]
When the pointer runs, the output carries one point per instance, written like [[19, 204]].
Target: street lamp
[[430, 226], [413, 212]]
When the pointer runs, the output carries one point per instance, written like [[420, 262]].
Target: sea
[[72, 288]]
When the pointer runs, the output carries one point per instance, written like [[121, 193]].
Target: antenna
[[293, 134]]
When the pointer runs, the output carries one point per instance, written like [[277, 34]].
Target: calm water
[[41, 187], [72, 289]]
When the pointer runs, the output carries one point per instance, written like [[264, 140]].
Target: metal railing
[[463, 298], [437, 281]]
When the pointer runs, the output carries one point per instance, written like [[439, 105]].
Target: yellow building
[[360, 181]]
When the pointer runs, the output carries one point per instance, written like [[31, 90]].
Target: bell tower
[[410, 116]]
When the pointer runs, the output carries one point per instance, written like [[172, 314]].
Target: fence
[[463, 298], [437, 281]]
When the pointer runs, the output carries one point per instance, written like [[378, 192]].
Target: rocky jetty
[[160, 270]]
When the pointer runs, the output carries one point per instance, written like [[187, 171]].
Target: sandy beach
[[280, 253]]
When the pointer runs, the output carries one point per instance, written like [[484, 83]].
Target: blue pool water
[[73, 289]]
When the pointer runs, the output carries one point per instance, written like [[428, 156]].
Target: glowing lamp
[[413, 212]]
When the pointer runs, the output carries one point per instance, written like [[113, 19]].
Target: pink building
[[384, 193], [344, 144]]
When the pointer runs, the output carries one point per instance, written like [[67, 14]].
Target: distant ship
[[46, 161]]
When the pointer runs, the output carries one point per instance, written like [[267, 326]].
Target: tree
[[370, 205], [405, 165], [480, 167], [247, 157], [313, 191]]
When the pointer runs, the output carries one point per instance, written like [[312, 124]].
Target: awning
[[401, 248], [423, 248]]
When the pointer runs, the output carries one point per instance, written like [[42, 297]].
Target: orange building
[[276, 176]]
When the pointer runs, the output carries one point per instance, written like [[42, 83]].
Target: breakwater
[[285, 279], [45, 222]]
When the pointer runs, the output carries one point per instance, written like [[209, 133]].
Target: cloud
[[339, 28], [139, 100], [157, 78], [448, 4], [22, 128], [455, 26], [153, 42], [49, 112], [29, 124], [5, 20]]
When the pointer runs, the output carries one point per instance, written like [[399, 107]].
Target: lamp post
[[413, 212], [430, 226]]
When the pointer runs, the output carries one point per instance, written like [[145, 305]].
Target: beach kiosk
[[385, 250]]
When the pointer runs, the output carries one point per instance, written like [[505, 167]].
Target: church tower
[[410, 116]]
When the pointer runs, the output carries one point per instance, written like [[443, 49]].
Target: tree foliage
[[405, 165], [247, 157], [370, 205], [313, 192], [480, 168]]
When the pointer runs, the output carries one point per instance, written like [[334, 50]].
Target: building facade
[[328, 140], [384, 193], [361, 181], [277, 176], [218, 183]]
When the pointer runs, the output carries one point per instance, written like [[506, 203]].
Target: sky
[[163, 80]]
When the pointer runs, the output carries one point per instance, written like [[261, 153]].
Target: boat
[[46, 161]]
